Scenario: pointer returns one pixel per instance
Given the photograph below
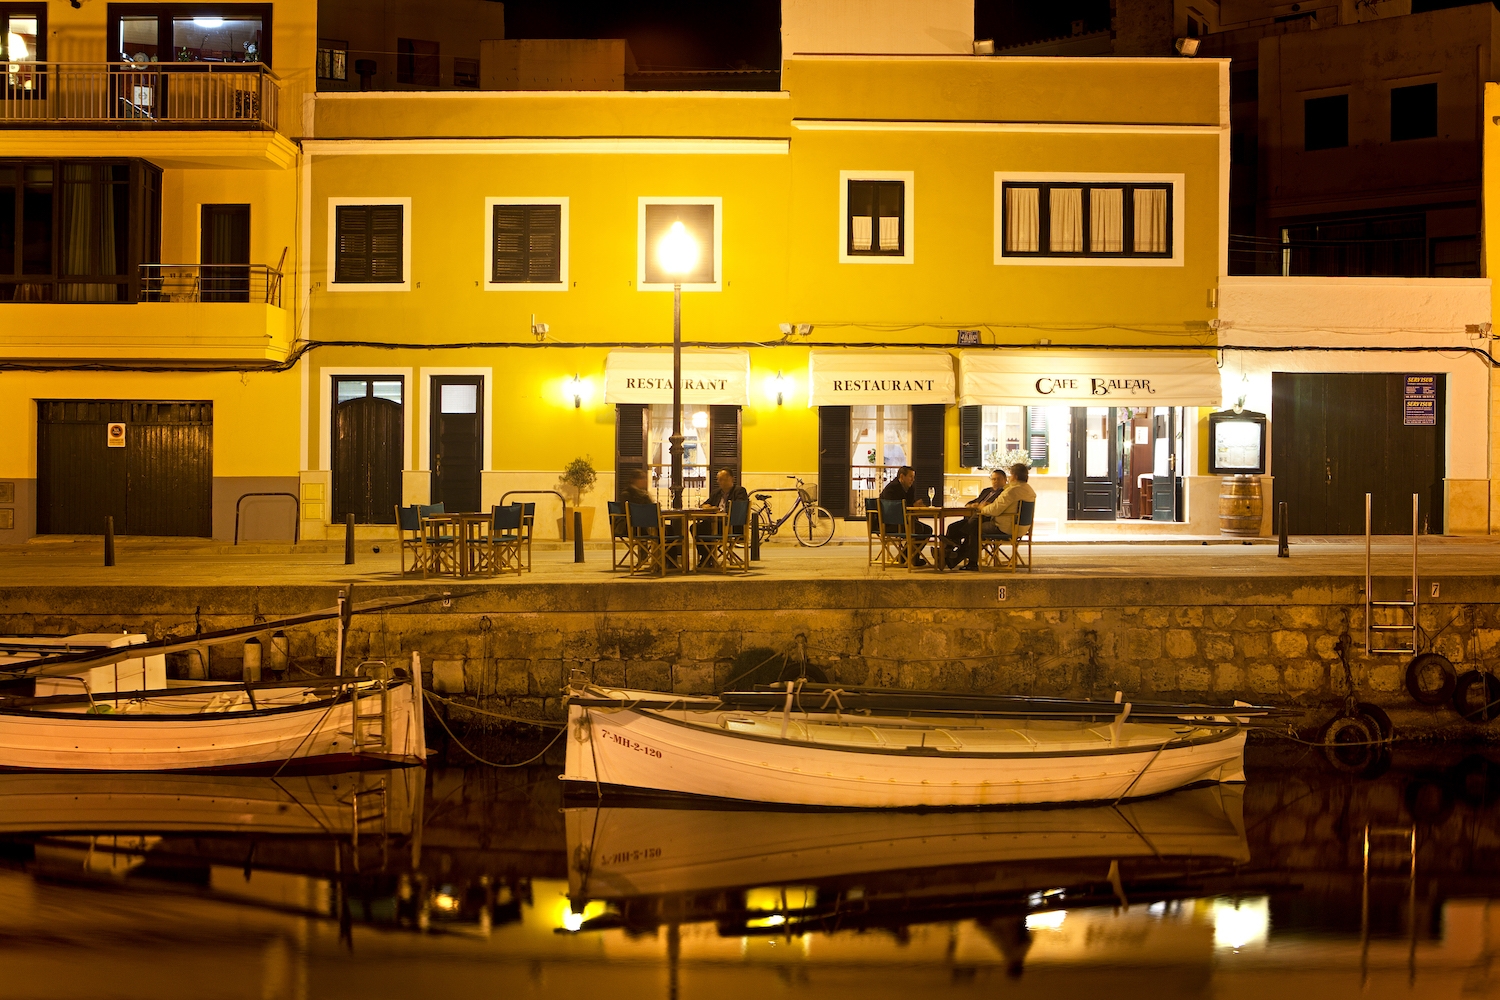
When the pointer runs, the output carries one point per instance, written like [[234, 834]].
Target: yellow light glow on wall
[[778, 387], [577, 390], [678, 251]]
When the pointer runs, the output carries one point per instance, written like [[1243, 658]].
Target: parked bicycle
[[812, 526]]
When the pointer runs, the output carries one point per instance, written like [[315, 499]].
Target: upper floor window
[[466, 73], [1074, 219], [1325, 122], [528, 244], [369, 244], [333, 59], [702, 224], [23, 32], [417, 62], [875, 217], [190, 32], [1414, 112], [77, 230]]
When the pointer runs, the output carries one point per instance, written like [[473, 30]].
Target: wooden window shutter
[[630, 442], [970, 436], [834, 445], [1036, 436], [927, 433], [724, 441], [527, 244], [370, 244]]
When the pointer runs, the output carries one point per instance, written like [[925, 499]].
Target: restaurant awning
[[712, 377], [1076, 378], [843, 378]]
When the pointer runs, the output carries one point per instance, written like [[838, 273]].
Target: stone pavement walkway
[[55, 562]]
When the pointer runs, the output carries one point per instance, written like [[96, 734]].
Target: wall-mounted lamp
[[700, 419], [778, 386], [576, 389]]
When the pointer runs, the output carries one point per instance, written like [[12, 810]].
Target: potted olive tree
[[577, 481]]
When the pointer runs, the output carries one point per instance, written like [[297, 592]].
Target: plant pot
[[566, 522]]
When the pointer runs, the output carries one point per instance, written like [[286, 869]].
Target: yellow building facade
[[927, 260]]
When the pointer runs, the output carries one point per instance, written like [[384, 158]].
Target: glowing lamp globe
[[677, 253]]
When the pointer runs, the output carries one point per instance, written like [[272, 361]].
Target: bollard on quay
[[109, 541], [348, 539], [578, 536], [755, 539], [1283, 550]]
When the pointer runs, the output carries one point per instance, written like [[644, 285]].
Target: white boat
[[620, 853], [829, 747], [104, 703]]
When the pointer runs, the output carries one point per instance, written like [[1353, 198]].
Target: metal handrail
[[211, 283], [244, 95], [296, 510], [562, 531]]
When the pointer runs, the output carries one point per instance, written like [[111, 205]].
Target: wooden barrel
[[1240, 506]]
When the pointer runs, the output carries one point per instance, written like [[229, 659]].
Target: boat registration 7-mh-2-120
[[631, 744]]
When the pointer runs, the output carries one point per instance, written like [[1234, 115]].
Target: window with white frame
[[702, 221], [526, 245], [875, 217], [1013, 433], [1087, 220], [369, 244]]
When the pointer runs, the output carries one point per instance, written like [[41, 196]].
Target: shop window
[[1011, 434], [466, 73], [1087, 220], [880, 443], [876, 217], [333, 59], [77, 230], [231, 33], [528, 244], [369, 245], [701, 218], [1414, 112], [696, 479], [1325, 122], [417, 62]]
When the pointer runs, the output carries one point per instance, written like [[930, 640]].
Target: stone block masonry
[[1261, 639]]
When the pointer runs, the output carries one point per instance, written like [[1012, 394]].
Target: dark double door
[[1337, 436], [155, 479]]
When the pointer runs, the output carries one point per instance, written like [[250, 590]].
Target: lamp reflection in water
[[1241, 922], [677, 254]]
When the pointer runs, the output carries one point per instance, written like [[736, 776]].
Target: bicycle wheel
[[767, 525], [813, 527]]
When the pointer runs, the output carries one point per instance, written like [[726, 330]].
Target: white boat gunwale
[[1223, 732], [374, 687]]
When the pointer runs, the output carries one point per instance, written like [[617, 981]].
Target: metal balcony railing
[[1401, 257], [138, 95], [211, 283]]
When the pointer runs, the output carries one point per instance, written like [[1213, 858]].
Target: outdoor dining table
[[688, 523], [471, 533], [941, 516]]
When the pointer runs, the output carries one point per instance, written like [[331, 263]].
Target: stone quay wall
[[515, 645]]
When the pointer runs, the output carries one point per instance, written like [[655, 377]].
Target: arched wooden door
[[367, 442]]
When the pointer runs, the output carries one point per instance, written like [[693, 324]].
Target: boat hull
[[650, 752], [303, 738]]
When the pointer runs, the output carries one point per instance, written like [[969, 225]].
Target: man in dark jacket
[[635, 488], [903, 487], [961, 532], [726, 494]]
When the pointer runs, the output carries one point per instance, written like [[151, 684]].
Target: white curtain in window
[[1106, 220], [1150, 220], [1021, 220], [88, 232], [890, 228], [863, 225], [1066, 231]]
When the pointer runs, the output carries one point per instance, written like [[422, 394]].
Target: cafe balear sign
[[1119, 378]]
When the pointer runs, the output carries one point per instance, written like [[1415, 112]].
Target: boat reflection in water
[[789, 873]]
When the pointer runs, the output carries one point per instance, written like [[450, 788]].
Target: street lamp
[[677, 253]]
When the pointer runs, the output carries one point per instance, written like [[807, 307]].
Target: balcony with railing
[[1414, 256], [128, 95], [225, 313]]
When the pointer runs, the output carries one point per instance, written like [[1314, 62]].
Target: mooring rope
[[490, 763]]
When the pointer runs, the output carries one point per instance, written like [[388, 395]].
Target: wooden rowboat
[[819, 746]]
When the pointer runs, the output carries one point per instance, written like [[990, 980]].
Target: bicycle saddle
[[762, 496]]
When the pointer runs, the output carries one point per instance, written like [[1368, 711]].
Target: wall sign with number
[[115, 436]]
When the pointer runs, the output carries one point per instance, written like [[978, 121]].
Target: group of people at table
[[724, 495], [996, 509]]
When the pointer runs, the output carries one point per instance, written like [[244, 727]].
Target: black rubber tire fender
[[1487, 696], [1350, 743], [1423, 664], [1376, 715]]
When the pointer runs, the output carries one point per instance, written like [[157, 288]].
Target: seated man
[[635, 490], [725, 494], [962, 533], [1004, 508], [903, 487]]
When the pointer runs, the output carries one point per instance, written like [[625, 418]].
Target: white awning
[[843, 378], [1075, 378], [712, 377]]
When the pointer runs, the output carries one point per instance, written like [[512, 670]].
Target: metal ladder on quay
[[1404, 612]]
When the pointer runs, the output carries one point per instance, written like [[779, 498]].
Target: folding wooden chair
[[507, 542], [621, 550], [409, 535], [729, 551], [439, 541], [892, 517], [647, 533], [992, 554], [872, 526]]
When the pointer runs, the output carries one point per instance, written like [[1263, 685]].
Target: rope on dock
[[562, 728]]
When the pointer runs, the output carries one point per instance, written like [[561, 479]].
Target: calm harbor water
[[478, 882]]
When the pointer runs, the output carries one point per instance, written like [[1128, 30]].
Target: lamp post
[[677, 253]]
